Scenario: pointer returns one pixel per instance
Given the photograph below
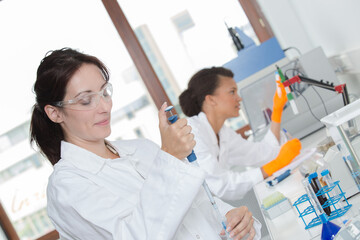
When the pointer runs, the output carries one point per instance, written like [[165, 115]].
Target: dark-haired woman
[[210, 99], [123, 189]]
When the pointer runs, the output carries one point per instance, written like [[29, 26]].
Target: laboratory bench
[[289, 225]]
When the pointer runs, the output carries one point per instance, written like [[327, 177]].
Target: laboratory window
[[23, 184], [183, 21], [194, 38]]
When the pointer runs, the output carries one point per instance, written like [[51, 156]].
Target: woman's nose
[[105, 104]]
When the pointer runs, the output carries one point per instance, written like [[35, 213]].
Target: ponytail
[[189, 103], [46, 134], [201, 84]]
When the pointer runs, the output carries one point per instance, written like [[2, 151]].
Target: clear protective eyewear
[[88, 101]]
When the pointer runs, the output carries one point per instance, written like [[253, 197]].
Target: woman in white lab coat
[[124, 189], [210, 99]]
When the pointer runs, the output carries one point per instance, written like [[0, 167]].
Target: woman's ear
[[53, 113], [210, 100]]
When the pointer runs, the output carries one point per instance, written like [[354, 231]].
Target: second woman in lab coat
[[210, 99]]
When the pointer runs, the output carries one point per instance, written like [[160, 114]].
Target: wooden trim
[[53, 235], [257, 19], [7, 226], [136, 52]]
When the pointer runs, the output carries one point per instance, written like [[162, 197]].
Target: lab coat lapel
[[223, 142], [81, 158], [221, 147], [210, 132], [132, 155]]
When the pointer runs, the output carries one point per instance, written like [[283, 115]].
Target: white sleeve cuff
[[255, 175]]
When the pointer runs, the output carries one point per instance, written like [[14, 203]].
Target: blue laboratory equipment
[[192, 159], [254, 58], [279, 178], [329, 229], [334, 195]]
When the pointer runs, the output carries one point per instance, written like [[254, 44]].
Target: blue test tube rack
[[331, 201]]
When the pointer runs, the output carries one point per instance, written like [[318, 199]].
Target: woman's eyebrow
[[89, 91], [103, 85]]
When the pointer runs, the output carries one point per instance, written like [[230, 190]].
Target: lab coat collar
[[210, 130], [88, 161], [121, 149]]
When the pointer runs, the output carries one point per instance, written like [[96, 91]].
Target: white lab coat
[[218, 161], [144, 194]]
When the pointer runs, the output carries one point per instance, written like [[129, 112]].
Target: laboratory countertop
[[288, 225]]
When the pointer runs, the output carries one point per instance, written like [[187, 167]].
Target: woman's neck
[[215, 121]]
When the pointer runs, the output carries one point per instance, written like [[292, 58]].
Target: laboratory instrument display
[[192, 159], [334, 201], [312, 102]]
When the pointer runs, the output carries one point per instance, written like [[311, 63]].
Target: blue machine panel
[[254, 58]]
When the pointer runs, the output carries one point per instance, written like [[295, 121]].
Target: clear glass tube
[[213, 203], [314, 201], [335, 191]]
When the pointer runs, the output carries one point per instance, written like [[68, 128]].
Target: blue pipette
[[192, 159]]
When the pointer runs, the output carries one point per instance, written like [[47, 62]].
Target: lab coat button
[[197, 236]]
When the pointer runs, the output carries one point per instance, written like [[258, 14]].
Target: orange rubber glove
[[287, 153], [279, 102]]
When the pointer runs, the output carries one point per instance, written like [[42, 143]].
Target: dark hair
[[202, 83], [53, 75]]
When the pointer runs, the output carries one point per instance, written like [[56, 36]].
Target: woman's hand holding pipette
[[176, 138], [240, 223]]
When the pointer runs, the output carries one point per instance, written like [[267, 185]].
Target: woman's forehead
[[87, 78], [227, 82]]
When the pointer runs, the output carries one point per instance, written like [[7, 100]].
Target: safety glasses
[[88, 101]]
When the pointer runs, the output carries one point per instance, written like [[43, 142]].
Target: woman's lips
[[103, 122]]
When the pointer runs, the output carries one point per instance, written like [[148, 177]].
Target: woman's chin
[[234, 115]]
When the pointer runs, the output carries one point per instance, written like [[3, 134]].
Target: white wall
[[330, 24], [305, 24]]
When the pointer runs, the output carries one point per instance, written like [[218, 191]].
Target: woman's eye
[[85, 100]]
